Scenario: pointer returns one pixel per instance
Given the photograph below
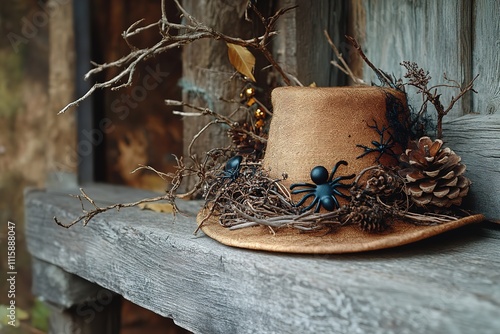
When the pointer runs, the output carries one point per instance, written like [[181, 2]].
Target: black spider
[[325, 188], [232, 168], [382, 147]]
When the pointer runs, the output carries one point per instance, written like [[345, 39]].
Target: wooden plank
[[313, 51], [77, 306], [63, 289], [302, 48], [435, 34], [61, 154], [476, 139], [445, 284], [486, 48], [285, 44]]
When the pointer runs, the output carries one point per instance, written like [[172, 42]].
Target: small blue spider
[[325, 188], [381, 147], [232, 168]]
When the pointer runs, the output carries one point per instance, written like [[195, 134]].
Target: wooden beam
[[429, 287], [476, 139]]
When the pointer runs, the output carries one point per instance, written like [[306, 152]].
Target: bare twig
[[89, 214], [220, 118], [380, 74], [420, 79], [343, 66], [187, 33]]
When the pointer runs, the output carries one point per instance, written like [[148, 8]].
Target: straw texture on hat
[[347, 239], [320, 126]]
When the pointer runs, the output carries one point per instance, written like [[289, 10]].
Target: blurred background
[[44, 51]]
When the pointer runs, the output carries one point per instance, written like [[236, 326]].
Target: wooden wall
[[301, 45], [461, 39]]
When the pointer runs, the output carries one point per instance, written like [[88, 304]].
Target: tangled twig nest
[[253, 198]]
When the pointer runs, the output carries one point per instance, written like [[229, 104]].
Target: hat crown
[[313, 126]]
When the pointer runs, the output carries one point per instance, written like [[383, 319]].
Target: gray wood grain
[[476, 138], [485, 59], [435, 34], [206, 75], [448, 284], [301, 45]]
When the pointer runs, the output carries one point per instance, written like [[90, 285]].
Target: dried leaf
[[242, 60], [157, 207]]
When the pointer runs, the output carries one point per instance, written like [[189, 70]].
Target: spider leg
[[340, 178], [391, 152], [316, 200], [302, 185], [305, 198], [367, 149], [341, 194], [340, 162], [318, 206], [299, 191], [337, 205]]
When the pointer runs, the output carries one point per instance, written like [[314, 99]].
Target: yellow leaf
[[242, 60], [157, 207]]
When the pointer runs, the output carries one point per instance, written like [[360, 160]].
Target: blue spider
[[382, 147], [325, 188], [232, 168]]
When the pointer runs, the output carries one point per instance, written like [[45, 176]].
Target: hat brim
[[348, 239]]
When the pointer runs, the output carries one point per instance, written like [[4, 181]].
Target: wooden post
[[62, 153], [207, 73], [301, 46], [77, 306]]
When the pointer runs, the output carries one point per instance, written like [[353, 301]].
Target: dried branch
[[218, 118], [383, 77], [420, 79], [343, 65], [89, 214], [185, 34]]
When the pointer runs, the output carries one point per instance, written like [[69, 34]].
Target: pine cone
[[433, 174], [383, 182], [365, 212], [368, 218]]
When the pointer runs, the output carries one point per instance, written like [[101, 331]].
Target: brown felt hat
[[319, 127]]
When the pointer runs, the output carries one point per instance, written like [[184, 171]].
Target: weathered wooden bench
[[447, 284]]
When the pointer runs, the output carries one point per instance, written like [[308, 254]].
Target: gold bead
[[250, 102], [260, 123], [250, 91], [259, 114]]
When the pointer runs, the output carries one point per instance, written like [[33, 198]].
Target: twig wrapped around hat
[[341, 173]]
